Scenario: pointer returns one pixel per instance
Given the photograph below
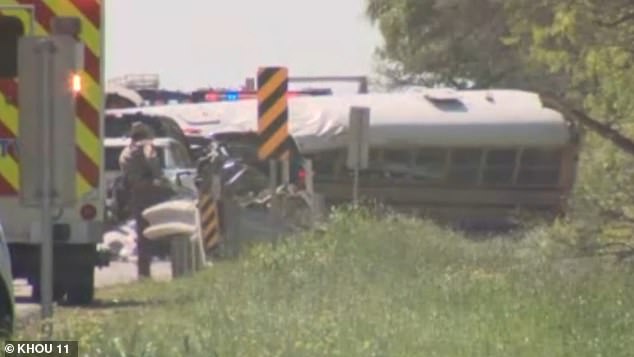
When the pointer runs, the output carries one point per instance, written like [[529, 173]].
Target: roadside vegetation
[[369, 286]]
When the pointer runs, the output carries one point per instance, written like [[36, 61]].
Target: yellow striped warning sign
[[275, 142], [209, 220]]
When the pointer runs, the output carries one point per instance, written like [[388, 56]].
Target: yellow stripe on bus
[[89, 34], [88, 142]]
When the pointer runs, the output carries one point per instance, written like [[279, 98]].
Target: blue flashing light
[[231, 96]]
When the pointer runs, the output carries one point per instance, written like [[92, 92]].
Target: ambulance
[[76, 230]]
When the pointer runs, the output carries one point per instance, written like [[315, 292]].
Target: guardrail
[[179, 222], [220, 220]]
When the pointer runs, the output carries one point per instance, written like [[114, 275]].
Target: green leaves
[[453, 40]]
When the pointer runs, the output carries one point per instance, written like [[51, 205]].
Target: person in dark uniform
[[141, 168]]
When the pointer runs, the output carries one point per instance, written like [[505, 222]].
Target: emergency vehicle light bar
[[162, 97], [230, 96]]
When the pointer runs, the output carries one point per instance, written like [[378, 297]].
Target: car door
[[180, 170]]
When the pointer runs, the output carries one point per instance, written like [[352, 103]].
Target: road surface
[[117, 273]]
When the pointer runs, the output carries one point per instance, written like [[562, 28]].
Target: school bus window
[[542, 177], [339, 163], [541, 158], [375, 156], [324, 163], [11, 29], [430, 163], [539, 167], [499, 167], [464, 167], [400, 157], [375, 165], [398, 163]]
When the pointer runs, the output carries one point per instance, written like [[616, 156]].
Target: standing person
[[141, 168]]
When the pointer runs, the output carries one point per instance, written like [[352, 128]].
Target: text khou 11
[[41, 348]]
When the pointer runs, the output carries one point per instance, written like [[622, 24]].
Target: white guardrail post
[[175, 220]]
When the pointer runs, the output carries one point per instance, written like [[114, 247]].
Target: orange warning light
[[76, 83]]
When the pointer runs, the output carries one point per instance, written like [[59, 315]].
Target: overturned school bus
[[467, 155]]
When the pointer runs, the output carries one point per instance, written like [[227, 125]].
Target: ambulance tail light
[[88, 212]]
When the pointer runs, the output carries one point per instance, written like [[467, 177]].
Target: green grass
[[366, 287]]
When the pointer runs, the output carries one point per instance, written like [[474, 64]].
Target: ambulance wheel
[[81, 287]]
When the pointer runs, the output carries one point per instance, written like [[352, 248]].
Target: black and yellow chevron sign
[[210, 224], [275, 142]]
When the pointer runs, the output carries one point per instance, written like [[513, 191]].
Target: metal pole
[[274, 211], [310, 190], [286, 171], [355, 188], [273, 176], [46, 267]]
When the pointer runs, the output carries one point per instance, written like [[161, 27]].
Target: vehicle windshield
[[112, 157], [178, 158]]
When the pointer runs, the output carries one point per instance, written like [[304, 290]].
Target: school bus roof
[[434, 118]]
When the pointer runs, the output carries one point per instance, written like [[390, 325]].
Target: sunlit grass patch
[[369, 286]]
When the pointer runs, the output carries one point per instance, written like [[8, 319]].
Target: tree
[[582, 50], [461, 43], [592, 41]]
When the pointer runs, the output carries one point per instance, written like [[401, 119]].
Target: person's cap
[[140, 129]]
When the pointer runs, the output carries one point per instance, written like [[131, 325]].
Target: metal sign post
[[286, 172], [46, 143], [358, 145], [46, 275]]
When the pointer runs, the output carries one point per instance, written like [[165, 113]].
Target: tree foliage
[[581, 49], [457, 42]]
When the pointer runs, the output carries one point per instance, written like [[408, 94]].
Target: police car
[[176, 164], [7, 299]]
